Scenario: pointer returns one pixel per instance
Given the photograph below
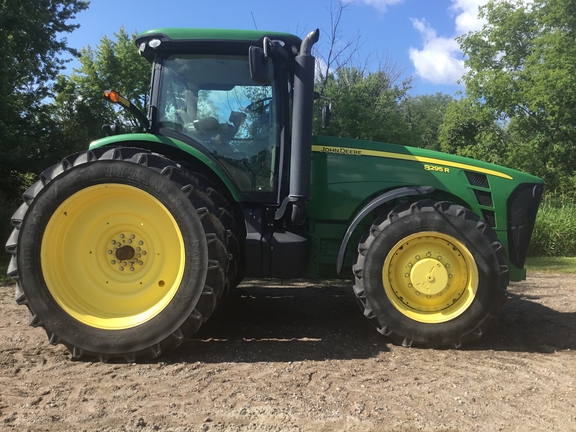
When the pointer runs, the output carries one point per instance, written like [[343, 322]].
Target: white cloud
[[467, 15], [439, 61], [381, 4]]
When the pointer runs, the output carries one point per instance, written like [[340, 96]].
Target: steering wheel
[[253, 107]]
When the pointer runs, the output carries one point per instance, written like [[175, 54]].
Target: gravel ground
[[301, 357]]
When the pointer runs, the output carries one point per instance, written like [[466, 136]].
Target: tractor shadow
[[527, 325], [265, 321]]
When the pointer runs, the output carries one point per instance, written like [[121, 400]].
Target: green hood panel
[[132, 140], [347, 173]]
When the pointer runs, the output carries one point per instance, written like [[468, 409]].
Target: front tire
[[431, 274], [117, 254]]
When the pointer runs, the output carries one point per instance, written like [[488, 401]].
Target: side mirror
[[326, 113], [259, 67]]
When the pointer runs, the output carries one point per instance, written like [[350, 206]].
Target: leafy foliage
[[80, 105], [32, 43], [522, 71], [365, 106], [424, 114]]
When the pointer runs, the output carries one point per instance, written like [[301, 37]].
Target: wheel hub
[[429, 276], [128, 252]]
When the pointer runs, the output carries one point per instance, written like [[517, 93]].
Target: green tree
[[32, 46], [522, 68], [424, 114], [365, 106], [113, 64], [470, 129]]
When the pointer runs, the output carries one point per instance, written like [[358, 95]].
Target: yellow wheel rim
[[112, 256], [430, 277]]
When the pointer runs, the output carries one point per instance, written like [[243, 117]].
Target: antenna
[[253, 20]]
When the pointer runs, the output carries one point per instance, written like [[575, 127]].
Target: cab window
[[213, 100]]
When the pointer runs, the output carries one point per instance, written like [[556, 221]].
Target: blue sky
[[416, 35]]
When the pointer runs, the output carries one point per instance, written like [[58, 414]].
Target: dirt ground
[[302, 357]]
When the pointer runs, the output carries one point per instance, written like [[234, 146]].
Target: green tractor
[[123, 251]]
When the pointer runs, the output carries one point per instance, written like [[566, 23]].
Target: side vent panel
[[483, 198], [477, 179]]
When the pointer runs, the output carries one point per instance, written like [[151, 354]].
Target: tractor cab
[[204, 95]]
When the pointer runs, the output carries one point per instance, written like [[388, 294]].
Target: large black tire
[[237, 266], [431, 274], [118, 253]]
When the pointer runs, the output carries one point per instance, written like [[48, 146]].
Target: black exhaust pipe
[[302, 112]]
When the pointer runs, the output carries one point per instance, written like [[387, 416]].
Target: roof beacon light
[[154, 43]]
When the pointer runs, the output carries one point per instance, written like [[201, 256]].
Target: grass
[[555, 229], [565, 265]]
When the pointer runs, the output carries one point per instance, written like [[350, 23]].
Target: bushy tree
[[424, 115], [113, 64], [471, 130], [32, 49], [522, 69], [365, 106]]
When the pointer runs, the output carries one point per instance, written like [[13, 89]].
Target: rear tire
[[118, 254], [431, 274]]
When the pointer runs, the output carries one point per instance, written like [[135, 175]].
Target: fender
[[375, 203], [155, 141]]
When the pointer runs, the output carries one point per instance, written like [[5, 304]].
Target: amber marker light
[[114, 96]]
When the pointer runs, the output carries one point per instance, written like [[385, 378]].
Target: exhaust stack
[[302, 114]]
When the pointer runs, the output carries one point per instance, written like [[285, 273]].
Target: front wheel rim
[[430, 277], [112, 256]]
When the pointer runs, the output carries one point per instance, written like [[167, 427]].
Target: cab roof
[[207, 39]]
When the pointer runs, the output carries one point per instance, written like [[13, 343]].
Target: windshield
[[213, 100]]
